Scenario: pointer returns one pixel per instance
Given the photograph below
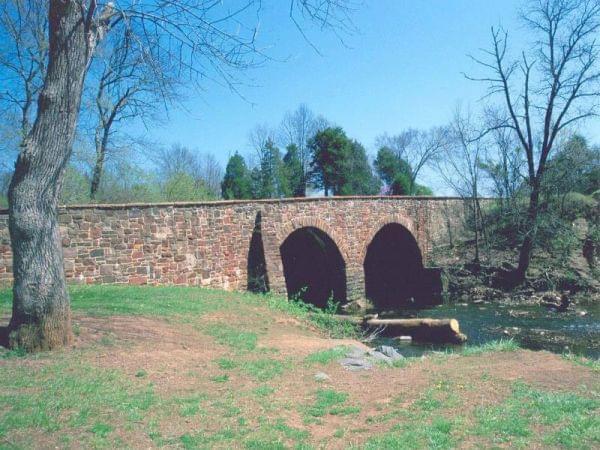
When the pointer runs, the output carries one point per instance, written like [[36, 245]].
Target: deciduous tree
[[200, 38], [552, 84]]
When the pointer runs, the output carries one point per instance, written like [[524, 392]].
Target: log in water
[[424, 330]]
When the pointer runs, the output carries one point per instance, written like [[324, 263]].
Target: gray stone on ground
[[356, 352], [390, 352], [355, 364], [380, 357], [322, 376]]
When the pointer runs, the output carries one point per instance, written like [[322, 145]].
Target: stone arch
[[314, 268], [302, 222], [406, 222], [393, 266]]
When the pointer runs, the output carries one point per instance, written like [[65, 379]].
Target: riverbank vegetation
[[191, 367]]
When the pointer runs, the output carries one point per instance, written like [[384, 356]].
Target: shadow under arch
[[258, 280], [394, 272], [313, 267]]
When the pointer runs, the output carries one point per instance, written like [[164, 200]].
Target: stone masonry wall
[[207, 244]]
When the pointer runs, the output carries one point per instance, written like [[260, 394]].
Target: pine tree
[[236, 183]]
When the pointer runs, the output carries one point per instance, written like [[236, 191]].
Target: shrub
[[576, 205]]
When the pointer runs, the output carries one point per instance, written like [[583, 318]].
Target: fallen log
[[423, 330]]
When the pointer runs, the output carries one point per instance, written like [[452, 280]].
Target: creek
[[532, 327]]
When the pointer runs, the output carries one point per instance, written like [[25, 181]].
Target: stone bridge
[[341, 247]]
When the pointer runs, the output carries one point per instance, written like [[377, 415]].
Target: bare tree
[[125, 89], [200, 38], [259, 137], [202, 167], [504, 161], [23, 58], [297, 127], [416, 147], [459, 164], [552, 85], [211, 172]]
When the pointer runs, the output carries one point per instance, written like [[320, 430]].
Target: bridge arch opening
[[313, 267], [393, 268]]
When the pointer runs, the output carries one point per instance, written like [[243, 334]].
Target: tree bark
[[424, 330], [529, 239], [41, 318], [101, 144]]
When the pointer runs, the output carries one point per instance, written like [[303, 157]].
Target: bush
[[401, 185], [576, 205]]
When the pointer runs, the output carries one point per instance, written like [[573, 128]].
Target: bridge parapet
[[208, 243]]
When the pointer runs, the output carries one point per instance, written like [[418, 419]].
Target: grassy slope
[[238, 390]]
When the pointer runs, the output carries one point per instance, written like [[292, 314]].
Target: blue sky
[[403, 68]]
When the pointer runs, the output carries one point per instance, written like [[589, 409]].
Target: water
[[533, 327]]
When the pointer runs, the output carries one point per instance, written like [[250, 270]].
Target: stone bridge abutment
[[263, 245]]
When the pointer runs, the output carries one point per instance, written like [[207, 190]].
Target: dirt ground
[[168, 353]]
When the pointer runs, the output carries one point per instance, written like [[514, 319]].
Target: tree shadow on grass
[[4, 336]]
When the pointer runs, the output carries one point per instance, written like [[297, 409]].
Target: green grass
[[328, 401], [238, 341], [263, 369], [434, 434], [65, 394], [324, 357], [573, 420], [593, 364], [502, 345], [67, 399]]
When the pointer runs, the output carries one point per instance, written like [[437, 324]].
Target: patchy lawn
[[190, 368]]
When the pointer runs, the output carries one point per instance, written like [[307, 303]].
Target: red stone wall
[[207, 243]]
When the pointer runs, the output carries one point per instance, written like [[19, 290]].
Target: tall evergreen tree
[[271, 178], [389, 165], [331, 151], [236, 183], [358, 179], [294, 171]]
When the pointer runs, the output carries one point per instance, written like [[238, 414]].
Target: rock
[[355, 364], [356, 352], [322, 376], [390, 352], [355, 306], [380, 357]]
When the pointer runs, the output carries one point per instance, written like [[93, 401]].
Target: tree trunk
[[41, 318], [99, 165], [423, 330], [476, 224], [529, 239]]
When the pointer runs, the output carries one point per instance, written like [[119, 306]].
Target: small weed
[[14, 353], [240, 341], [263, 391], [224, 378], [326, 356], [141, 373], [330, 402], [101, 429], [107, 340], [226, 364], [593, 364], [263, 369], [502, 345], [322, 319]]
